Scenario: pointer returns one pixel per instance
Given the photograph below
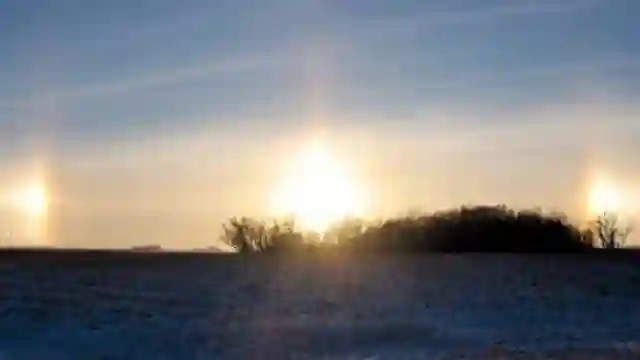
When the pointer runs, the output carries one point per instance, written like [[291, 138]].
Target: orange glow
[[604, 197], [318, 190]]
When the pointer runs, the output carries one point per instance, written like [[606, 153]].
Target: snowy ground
[[153, 306]]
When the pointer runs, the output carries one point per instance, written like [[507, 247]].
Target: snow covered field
[[157, 306]]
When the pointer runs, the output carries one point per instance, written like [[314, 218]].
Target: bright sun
[[29, 203], [604, 197], [318, 191], [30, 199]]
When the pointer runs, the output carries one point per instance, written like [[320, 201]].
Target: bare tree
[[610, 232], [238, 234], [588, 237]]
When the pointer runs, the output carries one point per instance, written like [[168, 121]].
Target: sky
[[152, 121]]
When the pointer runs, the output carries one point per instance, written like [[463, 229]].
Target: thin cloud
[[531, 8], [573, 123], [155, 79], [568, 73], [556, 71]]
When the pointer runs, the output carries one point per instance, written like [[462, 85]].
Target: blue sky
[[150, 117]]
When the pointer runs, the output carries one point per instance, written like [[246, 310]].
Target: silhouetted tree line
[[466, 229]]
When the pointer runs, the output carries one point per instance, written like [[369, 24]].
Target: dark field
[[124, 305]]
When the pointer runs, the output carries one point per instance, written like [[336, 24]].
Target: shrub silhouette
[[466, 229], [484, 228]]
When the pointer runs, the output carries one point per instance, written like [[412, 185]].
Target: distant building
[[147, 248]]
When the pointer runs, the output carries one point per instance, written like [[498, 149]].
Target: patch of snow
[[392, 308]]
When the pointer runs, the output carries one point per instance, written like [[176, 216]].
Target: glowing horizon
[[27, 205], [317, 190], [512, 104]]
